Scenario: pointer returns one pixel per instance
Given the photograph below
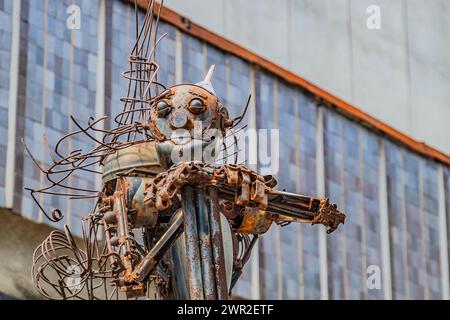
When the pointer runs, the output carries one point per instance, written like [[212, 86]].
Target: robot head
[[189, 123]]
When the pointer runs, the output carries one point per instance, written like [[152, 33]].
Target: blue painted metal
[[205, 244], [193, 263]]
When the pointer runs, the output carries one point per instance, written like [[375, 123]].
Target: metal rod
[[217, 243], [191, 239], [205, 244], [244, 260], [122, 231], [146, 266], [275, 208]]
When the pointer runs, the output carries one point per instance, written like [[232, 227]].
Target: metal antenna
[[210, 73], [206, 83]]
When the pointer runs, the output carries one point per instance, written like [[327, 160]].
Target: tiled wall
[[306, 184], [289, 236], [447, 202], [334, 169], [296, 120], [120, 41], [351, 172], [289, 262], [60, 81], [165, 54], [413, 207], [5, 57], [194, 64], [236, 93], [370, 217], [269, 253], [430, 225], [397, 219], [220, 60], [238, 86]]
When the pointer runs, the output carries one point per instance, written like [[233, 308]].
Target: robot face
[[187, 119]]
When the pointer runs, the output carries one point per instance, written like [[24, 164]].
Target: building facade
[[396, 197], [352, 48]]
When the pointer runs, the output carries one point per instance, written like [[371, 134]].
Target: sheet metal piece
[[147, 265]]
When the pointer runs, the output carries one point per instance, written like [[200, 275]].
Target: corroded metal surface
[[205, 243], [151, 260], [329, 216], [253, 187], [217, 239], [193, 256], [151, 186], [254, 194], [140, 157], [254, 221]]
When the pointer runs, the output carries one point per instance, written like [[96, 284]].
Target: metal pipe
[[205, 244], [244, 260], [122, 231], [275, 208], [191, 239], [150, 261], [217, 243]]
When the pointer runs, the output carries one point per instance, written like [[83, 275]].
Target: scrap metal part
[[329, 216], [144, 189], [248, 192], [251, 186]]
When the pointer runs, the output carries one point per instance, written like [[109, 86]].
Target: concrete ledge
[[19, 237]]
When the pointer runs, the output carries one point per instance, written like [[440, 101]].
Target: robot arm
[[249, 200]]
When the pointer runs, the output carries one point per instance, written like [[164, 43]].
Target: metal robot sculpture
[[165, 225]]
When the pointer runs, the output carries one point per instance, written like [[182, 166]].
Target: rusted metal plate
[[255, 221], [139, 156]]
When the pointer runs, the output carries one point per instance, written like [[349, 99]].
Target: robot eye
[[163, 108], [197, 106]]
